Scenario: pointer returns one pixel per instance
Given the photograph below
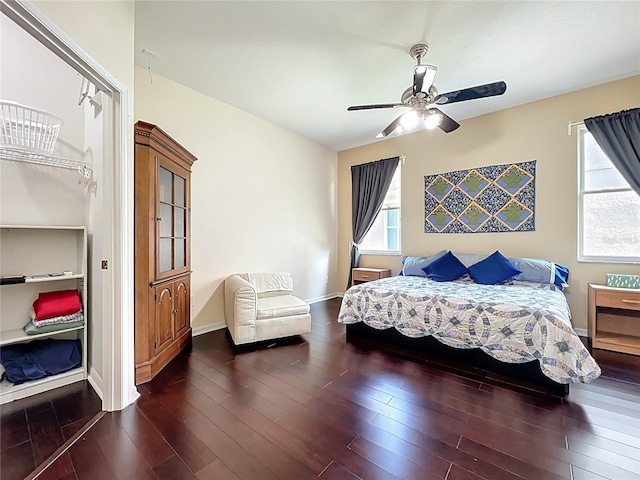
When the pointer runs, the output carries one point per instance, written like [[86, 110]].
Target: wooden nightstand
[[363, 275], [614, 318]]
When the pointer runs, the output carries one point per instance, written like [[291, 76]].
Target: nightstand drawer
[[619, 298], [361, 275]]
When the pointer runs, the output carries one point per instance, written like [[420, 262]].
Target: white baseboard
[[212, 327], [95, 381], [328, 296], [582, 332]]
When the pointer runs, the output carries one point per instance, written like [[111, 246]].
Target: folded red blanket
[[56, 304]]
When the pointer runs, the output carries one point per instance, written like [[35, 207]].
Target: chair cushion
[[280, 306]]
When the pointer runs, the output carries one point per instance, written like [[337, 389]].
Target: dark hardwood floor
[[316, 406], [33, 428]]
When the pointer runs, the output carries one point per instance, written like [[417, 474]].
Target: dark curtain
[[618, 134], [369, 185]]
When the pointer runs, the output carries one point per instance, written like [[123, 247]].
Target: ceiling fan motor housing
[[414, 101]]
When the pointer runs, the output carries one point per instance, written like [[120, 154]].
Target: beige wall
[[534, 131], [104, 29], [263, 198]]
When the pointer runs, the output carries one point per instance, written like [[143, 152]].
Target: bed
[[518, 328]]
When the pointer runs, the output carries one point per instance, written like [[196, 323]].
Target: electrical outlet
[[193, 299], [105, 264], [326, 280]]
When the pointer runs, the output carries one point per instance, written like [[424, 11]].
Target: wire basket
[[27, 128]]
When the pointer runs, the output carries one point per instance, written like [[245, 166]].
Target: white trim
[[322, 298], [96, 382], [603, 259], [118, 350], [581, 257], [582, 332], [212, 327], [123, 238], [380, 252]]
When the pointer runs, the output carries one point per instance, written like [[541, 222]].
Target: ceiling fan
[[423, 97]]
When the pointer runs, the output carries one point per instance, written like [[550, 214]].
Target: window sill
[[622, 260], [380, 252]]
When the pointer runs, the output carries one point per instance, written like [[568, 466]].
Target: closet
[[162, 248], [51, 135], [48, 259]]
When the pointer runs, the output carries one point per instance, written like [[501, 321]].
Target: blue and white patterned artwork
[[497, 198]]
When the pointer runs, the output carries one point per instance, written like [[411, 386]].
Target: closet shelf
[[17, 335], [26, 156], [38, 279], [14, 392]]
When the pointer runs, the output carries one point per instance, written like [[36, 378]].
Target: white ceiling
[[301, 64]]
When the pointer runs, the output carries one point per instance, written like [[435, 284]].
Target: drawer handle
[[635, 302], [367, 276]]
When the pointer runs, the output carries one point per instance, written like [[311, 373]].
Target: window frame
[[582, 130], [399, 227]]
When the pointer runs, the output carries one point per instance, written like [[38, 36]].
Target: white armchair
[[260, 306]]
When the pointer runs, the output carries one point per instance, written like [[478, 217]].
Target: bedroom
[[525, 133]]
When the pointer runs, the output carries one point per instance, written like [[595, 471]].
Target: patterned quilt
[[515, 322]]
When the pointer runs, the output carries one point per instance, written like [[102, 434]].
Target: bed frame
[[473, 363]]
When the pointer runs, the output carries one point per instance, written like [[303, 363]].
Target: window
[[609, 210], [384, 236]]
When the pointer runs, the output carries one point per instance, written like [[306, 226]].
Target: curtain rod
[[571, 125], [402, 158]]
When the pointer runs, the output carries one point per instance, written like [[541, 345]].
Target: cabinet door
[[164, 317], [172, 218], [181, 305]]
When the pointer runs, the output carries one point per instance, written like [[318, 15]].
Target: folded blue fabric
[[412, 266], [38, 359], [496, 268], [445, 268]]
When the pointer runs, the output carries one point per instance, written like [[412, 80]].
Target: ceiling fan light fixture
[[409, 120], [433, 120]]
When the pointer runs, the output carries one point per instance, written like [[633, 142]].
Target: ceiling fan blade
[[423, 77], [448, 124], [390, 128], [472, 93], [377, 105]]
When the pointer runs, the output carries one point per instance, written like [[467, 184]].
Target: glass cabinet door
[[172, 221]]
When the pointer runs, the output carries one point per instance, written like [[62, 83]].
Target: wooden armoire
[[162, 249]]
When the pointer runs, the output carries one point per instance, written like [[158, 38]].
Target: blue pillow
[[496, 268], [414, 265], [445, 268]]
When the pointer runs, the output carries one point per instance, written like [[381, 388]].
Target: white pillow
[[412, 266], [469, 259]]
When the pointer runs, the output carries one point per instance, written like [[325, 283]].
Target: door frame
[[117, 384]]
